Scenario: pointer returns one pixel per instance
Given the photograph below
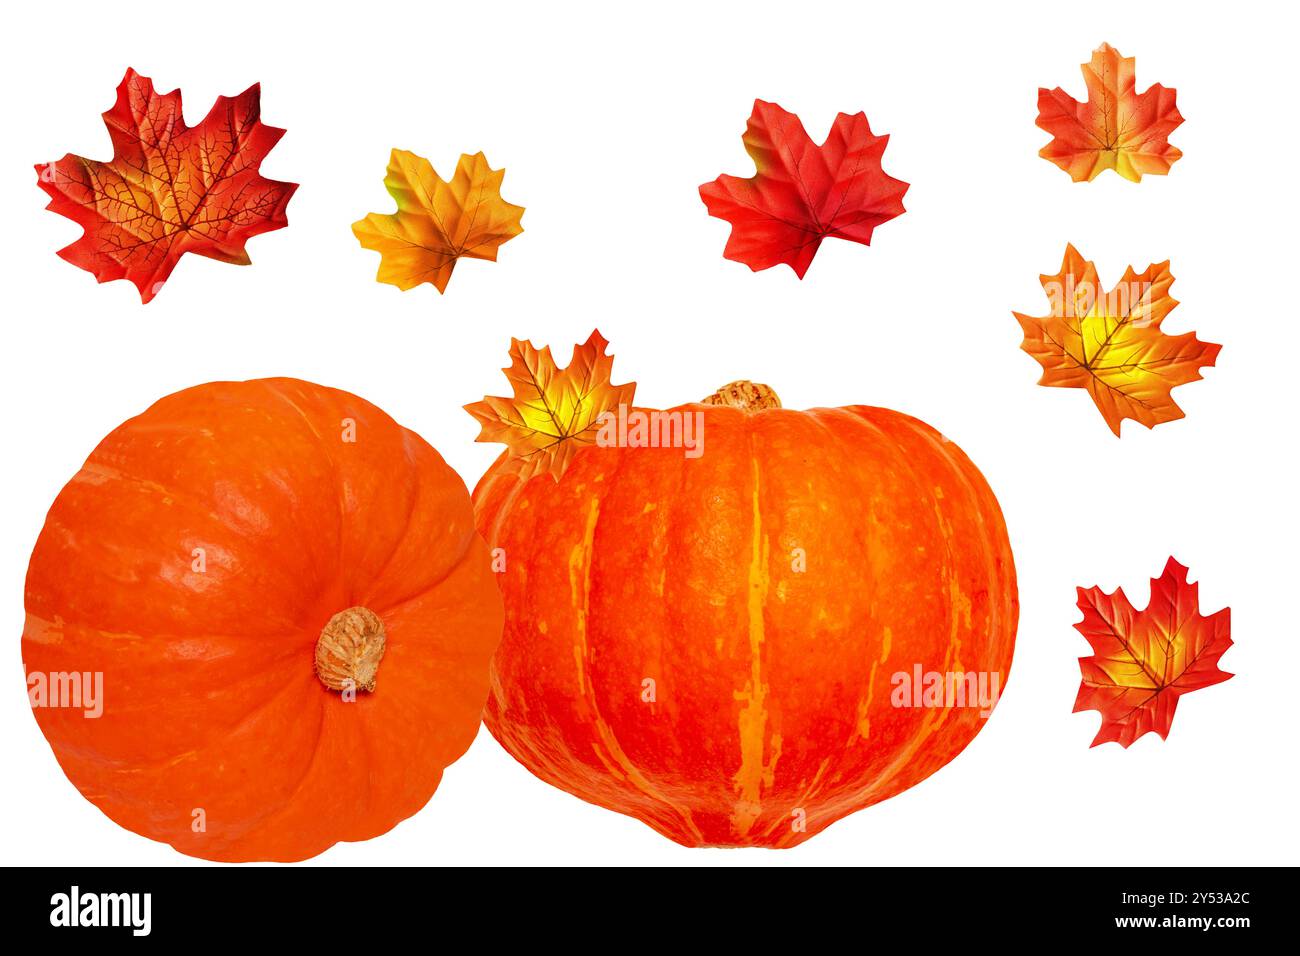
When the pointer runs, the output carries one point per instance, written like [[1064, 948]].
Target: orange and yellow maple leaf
[[554, 411], [1111, 343], [169, 188], [438, 223], [1143, 661], [1117, 128]]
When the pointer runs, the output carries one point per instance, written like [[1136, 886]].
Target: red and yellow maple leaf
[[438, 223], [803, 193], [1143, 661], [1111, 343], [170, 188], [1117, 128], [554, 411]]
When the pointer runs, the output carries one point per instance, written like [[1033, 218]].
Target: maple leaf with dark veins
[[554, 411], [1143, 661], [1117, 128], [803, 193], [169, 189], [1111, 343]]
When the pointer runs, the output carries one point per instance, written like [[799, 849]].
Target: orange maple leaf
[[554, 411], [438, 223], [1117, 128], [169, 189], [1143, 661], [1111, 343]]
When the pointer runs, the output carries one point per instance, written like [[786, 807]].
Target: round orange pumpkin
[[717, 645], [281, 596]]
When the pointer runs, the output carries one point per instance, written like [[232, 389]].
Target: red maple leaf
[[803, 192], [169, 189], [1143, 661]]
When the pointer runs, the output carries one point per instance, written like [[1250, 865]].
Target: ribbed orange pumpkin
[[283, 594], [712, 645]]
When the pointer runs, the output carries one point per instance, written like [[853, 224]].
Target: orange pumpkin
[[290, 616], [716, 645]]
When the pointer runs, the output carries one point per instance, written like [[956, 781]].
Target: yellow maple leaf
[[437, 222], [1111, 344], [554, 411]]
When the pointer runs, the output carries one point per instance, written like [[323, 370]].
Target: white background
[[606, 123]]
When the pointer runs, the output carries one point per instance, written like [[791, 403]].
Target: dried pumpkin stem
[[349, 649], [745, 394]]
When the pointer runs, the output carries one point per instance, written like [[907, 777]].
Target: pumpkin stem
[[744, 394], [349, 649]]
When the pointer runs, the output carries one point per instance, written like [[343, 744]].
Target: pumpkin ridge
[[271, 814], [884, 783], [391, 604], [740, 702], [290, 661], [854, 421], [223, 398], [356, 824], [828, 776], [265, 704], [781, 823], [558, 757], [506, 506], [115, 473], [419, 644], [412, 504], [127, 820], [682, 826], [272, 386], [928, 725], [289, 658], [752, 719], [366, 803], [978, 492], [606, 734], [241, 537]]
